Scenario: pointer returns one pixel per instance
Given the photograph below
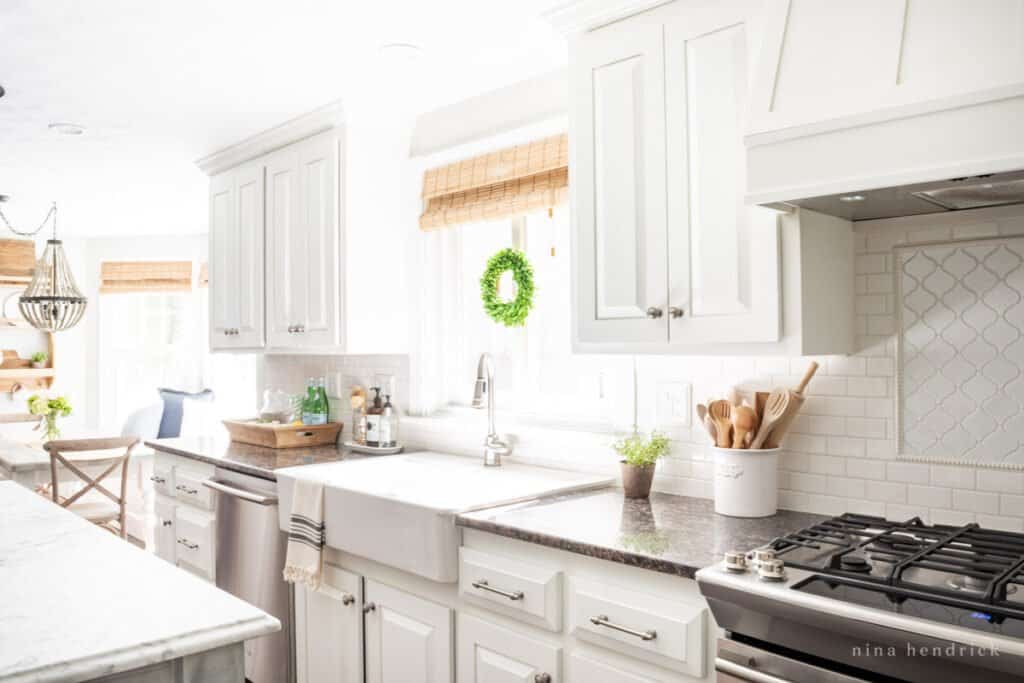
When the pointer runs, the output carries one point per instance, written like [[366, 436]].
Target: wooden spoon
[[720, 412], [774, 410], [744, 425]]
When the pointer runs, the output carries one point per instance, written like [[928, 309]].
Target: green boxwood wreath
[[508, 313]]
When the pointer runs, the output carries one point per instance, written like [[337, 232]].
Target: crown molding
[[316, 121], [579, 16]]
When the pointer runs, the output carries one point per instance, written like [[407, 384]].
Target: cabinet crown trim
[[326, 117], [579, 16]]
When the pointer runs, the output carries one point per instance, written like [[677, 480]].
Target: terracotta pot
[[636, 480]]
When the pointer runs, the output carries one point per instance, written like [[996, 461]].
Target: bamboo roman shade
[[145, 276], [504, 183]]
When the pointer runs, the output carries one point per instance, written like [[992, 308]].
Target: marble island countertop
[[79, 603], [258, 461], [668, 533]]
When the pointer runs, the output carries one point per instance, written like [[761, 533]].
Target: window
[[537, 374], [159, 339]]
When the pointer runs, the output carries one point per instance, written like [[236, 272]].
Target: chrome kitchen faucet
[[494, 445]]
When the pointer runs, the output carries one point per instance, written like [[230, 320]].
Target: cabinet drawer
[[527, 592], [486, 652], [661, 631], [164, 536], [163, 477], [188, 488], [195, 533]]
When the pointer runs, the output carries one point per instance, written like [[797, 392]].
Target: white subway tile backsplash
[[811, 483], [953, 477], [866, 469], [881, 284], [868, 427], [929, 496], [845, 446], [1001, 523], [899, 512], [1012, 506], [867, 386], [845, 487], [1001, 481], [881, 367], [976, 501], [951, 517], [848, 365], [871, 263], [826, 464], [910, 472]]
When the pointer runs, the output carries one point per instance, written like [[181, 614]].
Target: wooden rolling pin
[[796, 400]]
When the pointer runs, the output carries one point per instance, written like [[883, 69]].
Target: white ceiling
[[160, 83]]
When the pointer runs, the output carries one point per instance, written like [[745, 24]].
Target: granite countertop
[[258, 461], [80, 603], [668, 533]]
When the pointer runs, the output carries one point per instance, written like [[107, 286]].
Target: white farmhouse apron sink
[[400, 510]]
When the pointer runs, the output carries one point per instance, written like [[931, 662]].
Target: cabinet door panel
[[318, 187], [249, 251], [164, 536], [723, 255], [491, 654], [619, 164], [329, 629], [408, 639], [223, 265], [285, 249]]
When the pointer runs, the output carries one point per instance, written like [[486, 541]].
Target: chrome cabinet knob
[[167, 522], [542, 678], [369, 607], [675, 312], [347, 599], [655, 313]]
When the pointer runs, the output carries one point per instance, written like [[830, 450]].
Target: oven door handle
[[240, 493], [745, 673]]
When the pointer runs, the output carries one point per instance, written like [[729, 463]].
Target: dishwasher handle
[[250, 496]]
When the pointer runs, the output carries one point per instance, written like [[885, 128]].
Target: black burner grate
[[956, 561]]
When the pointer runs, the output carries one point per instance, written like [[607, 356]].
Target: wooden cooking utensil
[[760, 399], [774, 410], [709, 425], [702, 413], [720, 412], [796, 400], [744, 425]]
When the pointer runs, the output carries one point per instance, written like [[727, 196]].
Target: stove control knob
[[771, 570], [759, 555], [735, 561]]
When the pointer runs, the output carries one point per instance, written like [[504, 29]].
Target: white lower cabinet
[[163, 535], [329, 629], [491, 654], [408, 639], [583, 669]]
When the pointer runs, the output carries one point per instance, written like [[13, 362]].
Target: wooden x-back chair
[[102, 507]]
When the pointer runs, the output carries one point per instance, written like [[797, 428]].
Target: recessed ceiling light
[[67, 128], [852, 198], [401, 53]]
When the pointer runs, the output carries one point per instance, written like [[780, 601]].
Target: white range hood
[[879, 108]]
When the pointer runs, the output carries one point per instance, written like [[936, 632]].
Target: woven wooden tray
[[282, 436]]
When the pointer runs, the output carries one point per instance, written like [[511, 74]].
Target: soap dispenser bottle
[[388, 424], [373, 419]]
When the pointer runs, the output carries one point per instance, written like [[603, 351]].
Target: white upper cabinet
[[668, 258], [619, 150], [303, 246], [236, 258]]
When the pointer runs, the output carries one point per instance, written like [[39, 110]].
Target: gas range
[[863, 598]]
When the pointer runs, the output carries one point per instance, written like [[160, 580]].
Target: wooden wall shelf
[[17, 373]]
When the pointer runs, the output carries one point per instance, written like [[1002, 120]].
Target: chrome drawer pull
[[157, 480], [602, 620], [511, 595], [190, 546], [185, 489]]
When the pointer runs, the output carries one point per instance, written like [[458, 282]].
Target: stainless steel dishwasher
[[250, 552]]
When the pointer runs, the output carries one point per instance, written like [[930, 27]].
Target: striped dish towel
[[305, 534]]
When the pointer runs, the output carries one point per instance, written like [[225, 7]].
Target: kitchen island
[[80, 604]]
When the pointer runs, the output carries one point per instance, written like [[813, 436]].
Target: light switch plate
[[674, 403]]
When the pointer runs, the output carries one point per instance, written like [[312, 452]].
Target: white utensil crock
[[746, 482]]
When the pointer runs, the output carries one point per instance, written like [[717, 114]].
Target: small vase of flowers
[[639, 456], [49, 409]]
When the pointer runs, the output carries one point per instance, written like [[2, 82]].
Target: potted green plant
[[39, 359], [639, 456], [49, 409]]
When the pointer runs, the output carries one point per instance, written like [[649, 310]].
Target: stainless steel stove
[[862, 598]]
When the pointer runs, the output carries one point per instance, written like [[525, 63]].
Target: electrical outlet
[[673, 404]]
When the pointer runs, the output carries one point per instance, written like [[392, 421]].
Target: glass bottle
[[322, 408], [388, 424], [309, 402], [357, 400], [373, 415]]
